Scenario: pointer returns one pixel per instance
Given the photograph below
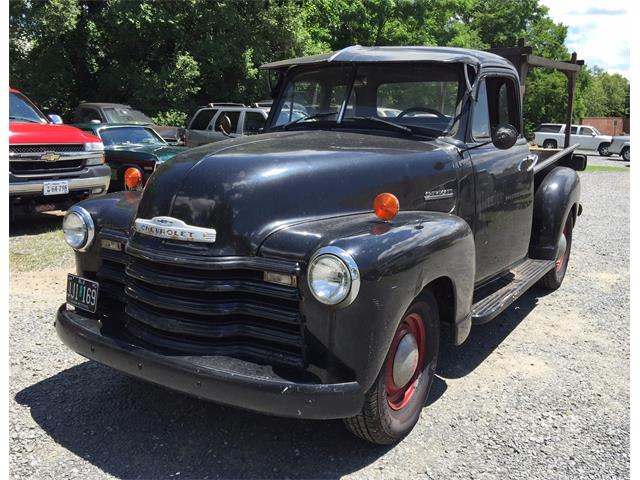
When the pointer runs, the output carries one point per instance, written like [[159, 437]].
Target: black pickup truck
[[309, 271]]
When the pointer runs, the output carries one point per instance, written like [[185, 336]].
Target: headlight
[[333, 276], [94, 147], [97, 147], [78, 228]]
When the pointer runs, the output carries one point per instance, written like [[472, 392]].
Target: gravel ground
[[540, 392]]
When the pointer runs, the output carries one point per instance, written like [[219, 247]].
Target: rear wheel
[[553, 278], [626, 154], [603, 150], [393, 404], [550, 144]]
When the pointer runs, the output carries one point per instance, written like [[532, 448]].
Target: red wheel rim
[[399, 395], [560, 259]]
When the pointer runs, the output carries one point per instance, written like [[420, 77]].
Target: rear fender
[[554, 200], [396, 261]]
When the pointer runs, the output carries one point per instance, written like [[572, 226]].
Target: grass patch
[[36, 243], [605, 168]]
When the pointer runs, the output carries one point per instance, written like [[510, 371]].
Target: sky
[[598, 31]]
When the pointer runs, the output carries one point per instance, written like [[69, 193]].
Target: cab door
[[587, 138], [503, 179]]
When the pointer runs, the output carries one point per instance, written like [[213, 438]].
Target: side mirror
[[55, 119], [593, 134], [504, 136]]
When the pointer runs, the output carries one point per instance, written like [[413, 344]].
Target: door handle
[[528, 162]]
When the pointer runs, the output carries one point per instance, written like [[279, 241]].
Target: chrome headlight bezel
[[94, 147], [350, 268], [89, 228]]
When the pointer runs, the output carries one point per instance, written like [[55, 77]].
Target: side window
[[480, 127], [503, 97], [574, 130], [89, 114], [202, 119], [586, 131], [233, 116], [253, 122]]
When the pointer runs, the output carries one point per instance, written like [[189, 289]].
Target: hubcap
[[405, 361], [562, 249]]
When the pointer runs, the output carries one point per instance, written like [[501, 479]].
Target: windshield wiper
[[12, 117], [379, 121], [310, 117]]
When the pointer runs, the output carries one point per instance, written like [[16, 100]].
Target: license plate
[[82, 293], [56, 188]]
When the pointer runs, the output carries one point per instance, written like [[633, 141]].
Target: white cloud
[[598, 31]]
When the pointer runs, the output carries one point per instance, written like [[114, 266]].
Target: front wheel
[[393, 404], [603, 150], [626, 154], [553, 278]]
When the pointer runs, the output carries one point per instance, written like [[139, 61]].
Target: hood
[[24, 132], [250, 187], [161, 152]]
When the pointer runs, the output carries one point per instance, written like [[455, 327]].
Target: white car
[[551, 135], [621, 146], [204, 127]]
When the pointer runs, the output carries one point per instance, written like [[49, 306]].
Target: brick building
[[609, 125]]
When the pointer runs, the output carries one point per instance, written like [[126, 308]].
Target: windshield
[[129, 136], [418, 96], [126, 115], [22, 110]]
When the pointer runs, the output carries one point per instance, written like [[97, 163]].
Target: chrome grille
[[52, 147], [195, 311]]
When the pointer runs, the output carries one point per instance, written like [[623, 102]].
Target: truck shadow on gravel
[[131, 429], [35, 223]]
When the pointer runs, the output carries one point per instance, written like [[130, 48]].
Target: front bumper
[[221, 379], [95, 178]]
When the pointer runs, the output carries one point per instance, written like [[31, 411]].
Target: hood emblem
[[49, 157], [174, 229], [439, 194]]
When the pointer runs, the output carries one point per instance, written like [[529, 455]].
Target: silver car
[[621, 145], [551, 135]]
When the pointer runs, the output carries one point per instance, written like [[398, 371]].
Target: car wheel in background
[[550, 144], [626, 154], [603, 150]]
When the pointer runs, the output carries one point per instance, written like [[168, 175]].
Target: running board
[[521, 279]]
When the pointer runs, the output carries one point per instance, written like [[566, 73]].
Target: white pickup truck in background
[[551, 135], [621, 145]]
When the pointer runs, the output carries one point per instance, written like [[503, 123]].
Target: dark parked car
[[99, 112], [132, 151], [308, 272]]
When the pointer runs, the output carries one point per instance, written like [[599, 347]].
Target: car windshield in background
[[126, 115], [22, 110], [421, 97], [129, 136]]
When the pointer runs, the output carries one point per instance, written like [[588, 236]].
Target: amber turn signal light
[[132, 178], [386, 206]]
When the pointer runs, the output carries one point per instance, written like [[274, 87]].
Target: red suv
[[51, 166]]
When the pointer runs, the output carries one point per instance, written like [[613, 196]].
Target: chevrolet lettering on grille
[[174, 229]]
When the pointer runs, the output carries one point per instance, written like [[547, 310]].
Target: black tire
[[377, 422], [553, 278], [603, 149], [550, 144], [626, 154]]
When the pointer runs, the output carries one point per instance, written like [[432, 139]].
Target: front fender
[[112, 212], [554, 200], [396, 260]]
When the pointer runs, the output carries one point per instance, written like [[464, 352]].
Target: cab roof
[[362, 54]]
